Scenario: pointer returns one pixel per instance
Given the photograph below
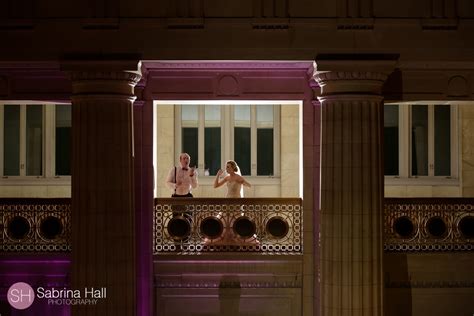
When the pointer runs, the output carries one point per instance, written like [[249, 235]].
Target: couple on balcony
[[184, 178]]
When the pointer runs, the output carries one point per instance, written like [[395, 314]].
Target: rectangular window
[[212, 138], [190, 132], [242, 138], [63, 140], [214, 133], [419, 138], [11, 140], [34, 140], [265, 140], [424, 135], [391, 142]]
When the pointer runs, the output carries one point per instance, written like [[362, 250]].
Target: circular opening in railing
[[403, 227], [211, 227], [466, 227], [244, 227], [277, 227], [18, 227], [436, 227], [179, 228], [51, 227]]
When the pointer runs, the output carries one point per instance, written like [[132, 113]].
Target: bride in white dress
[[235, 189], [234, 180]]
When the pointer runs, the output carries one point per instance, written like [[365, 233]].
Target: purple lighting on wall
[[45, 270]]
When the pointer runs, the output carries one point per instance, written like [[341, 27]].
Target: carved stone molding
[[350, 99], [408, 284], [131, 77], [458, 86], [97, 77], [227, 65], [359, 74], [229, 284], [228, 85], [339, 82], [349, 75]]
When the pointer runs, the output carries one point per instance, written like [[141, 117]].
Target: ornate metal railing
[[35, 225], [258, 225], [429, 224], [264, 225]]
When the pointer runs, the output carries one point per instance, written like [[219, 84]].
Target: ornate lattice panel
[[197, 225], [429, 224], [35, 225]]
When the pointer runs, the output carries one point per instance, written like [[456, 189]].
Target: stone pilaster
[[103, 216], [351, 188]]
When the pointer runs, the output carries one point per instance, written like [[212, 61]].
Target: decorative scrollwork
[[37, 225], [190, 226], [429, 224]]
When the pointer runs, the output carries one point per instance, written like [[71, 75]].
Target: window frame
[[405, 146], [48, 147], [227, 136]]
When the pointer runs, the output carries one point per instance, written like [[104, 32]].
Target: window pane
[[212, 139], [242, 149], [442, 140], [63, 140], [265, 115], [391, 144], [419, 132], [212, 150], [264, 139], [242, 137], [189, 115], [189, 132], [34, 140], [190, 144], [11, 141], [242, 115], [265, 151]]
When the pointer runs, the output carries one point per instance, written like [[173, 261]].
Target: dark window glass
[[11, 140], [242, 149], [190, 144], [63, 140], [265, 151], [391, 142], [34, 140], [442, 140], [419, 138], [212, 150]]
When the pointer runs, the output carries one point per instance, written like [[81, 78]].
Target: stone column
[[103, 216], [351, 186]]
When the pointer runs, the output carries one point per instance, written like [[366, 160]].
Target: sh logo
[[21, 295]]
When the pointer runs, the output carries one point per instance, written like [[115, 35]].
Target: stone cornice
[[202, 65]]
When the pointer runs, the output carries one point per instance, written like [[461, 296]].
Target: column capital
[[352, 74], [99, 77]]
